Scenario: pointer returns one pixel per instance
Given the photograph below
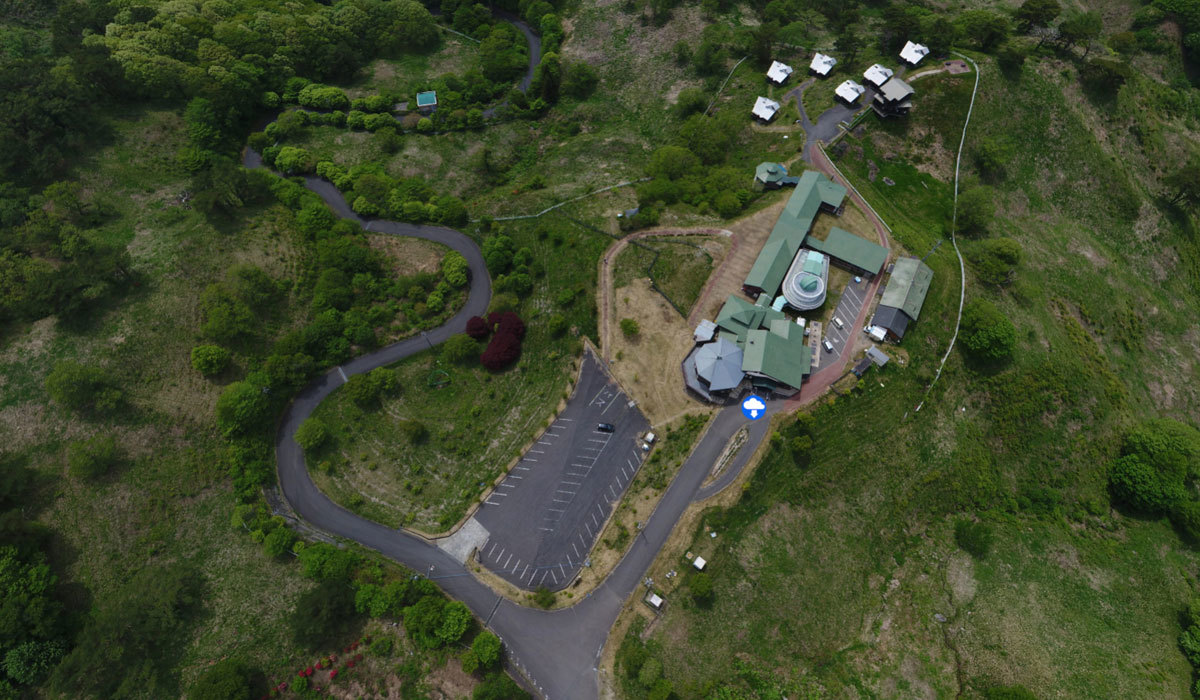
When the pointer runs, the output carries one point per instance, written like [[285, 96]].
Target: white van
[[838, 322], [828, 347]]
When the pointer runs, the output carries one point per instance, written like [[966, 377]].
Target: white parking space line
[[493, 548], [614, 494], [589, 530], [573, 483], [602, 390], [529, 459], [555, 510], [537, 452], [524, 469], [510, 556], [559, 500], [525, 571], [561, 569], [625, 473], [575, 548], [500, 494], [594, 521], [569, 493], [491, 503], [610, 405], [508, 486], [516, 566], [554, 578], [544, 574], [599, 441], [569, 420], [542, 442], [546, 529]]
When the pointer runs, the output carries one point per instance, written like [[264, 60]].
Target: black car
[[605, 427]]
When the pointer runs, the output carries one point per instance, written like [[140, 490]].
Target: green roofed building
[[908, 286], [814, 193], [774, 353], [782, 357], [772, 176], [855, 253]]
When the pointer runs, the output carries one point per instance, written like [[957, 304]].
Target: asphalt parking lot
[[544, 517], [853, 298]]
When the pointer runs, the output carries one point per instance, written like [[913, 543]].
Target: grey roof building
[[893, 99]]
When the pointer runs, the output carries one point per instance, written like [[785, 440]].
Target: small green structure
[[854, 252], [772, 176], [427, 101]]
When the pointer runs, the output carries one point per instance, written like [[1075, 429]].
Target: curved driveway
[[557, 650]]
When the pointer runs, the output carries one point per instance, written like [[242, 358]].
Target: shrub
[[498, 686], [629, 327], [975, 538], [508, 322], [225, 680], [424, 126], [557, 325], [454, 269], [460, 348], [996, 260], [650, 673], [311, 434], [414, 431], [292, 160], [987, 334], [318, 96], [93, 457], [701, 587], [478, 328], [976, 210], [210, 359], [1144, 488], [279, 541], [486, 648], [83, 388], [544, 597]]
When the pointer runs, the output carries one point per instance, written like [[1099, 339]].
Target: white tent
[[822, 64], [778, 72], [877, 75], [913, 53], [765, 109], [850, 91]]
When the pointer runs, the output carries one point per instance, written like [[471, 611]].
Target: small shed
[[699, 563], [654, 600], [849, 91], [705, 331], [913, 53], [427, 101], [877, 356], [877, 75], [822, 64], [861, 367], [778, 73], [765, 109]]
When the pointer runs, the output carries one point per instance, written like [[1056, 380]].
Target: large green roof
[[739, 317], [851, 249], [908, 286], [770, 172], [772, 262], [785, 359], [812, 190]]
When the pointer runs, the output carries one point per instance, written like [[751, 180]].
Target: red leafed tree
[[511, 323], [502, 351], [478, 328]]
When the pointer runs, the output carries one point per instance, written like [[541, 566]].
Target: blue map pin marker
[[753, 407]]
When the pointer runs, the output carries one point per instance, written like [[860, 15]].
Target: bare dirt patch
[[648, 364], [408, 255]]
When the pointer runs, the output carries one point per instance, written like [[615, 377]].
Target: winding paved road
[[556, 650]]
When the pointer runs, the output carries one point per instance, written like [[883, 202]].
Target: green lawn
[[679, 265]]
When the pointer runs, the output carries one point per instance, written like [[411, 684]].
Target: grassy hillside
[[839, 568]]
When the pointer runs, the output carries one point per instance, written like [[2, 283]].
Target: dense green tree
[[1104, 77], [996, 260], [700, 585], [323, 613], [93, 457], [975, 210], [226, 318], [454, 269], [1166, 444], [83, 387], [279, 541], [992, 155], [132, 639], [29, 663], [672, 163], [242, 409], [311, 434], [210, 360], [986, 28], [498, 253], [986, 333], [579, 80], [228, 679], [1144, 487], [709, 137], [848, 42], [1183, 183], [487, 648], [1037, 13], [423, 621], [1080, 27], [29, 613], [325, 562], [456, 620]]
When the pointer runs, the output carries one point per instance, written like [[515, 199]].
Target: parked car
[[605, 427], [828, 346], [838, 322], [857, 279]]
